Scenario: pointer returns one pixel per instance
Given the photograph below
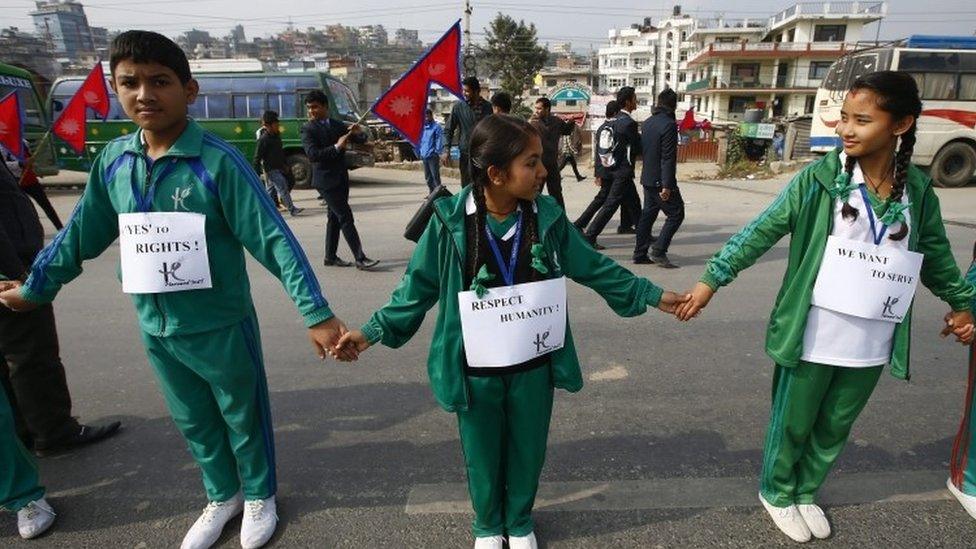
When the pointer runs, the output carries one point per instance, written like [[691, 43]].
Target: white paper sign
[[163, 252], [513, 324], [867, 281]]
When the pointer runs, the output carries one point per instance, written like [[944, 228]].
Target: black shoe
[[626, 230], [597, 246], [663, 261], [366, 263], [643, 260], [580, 178], [336, 262], [86, 434]]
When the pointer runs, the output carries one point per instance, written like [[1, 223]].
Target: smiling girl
[[864, 226], [496, 367]]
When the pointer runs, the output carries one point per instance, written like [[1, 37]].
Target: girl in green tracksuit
[[830, 340], [962, 467], [499, 235]]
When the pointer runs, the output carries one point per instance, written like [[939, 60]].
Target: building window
[[726, 39], [829, 33], [550, 82], [818, 69], [745, 74], [682, 77], [808, 104], [740, 104], [570, 102], [639, 82]]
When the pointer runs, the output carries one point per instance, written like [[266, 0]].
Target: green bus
[[20, 81], [230, 105]]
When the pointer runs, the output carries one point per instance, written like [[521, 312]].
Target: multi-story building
[[407, 38], [23, 49], [373, 35], [774, 64], [649, 58], [63, 24]]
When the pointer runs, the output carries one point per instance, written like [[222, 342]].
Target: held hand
[[354, 340], [341, 142], [671, 300], [11, 298], [446, 160], [598, 181], [355, 128], [961, 325], [701, 294], [665, 194], [324, 337]]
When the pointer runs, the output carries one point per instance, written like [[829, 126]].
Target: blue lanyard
[[508, 271], [867, 205]]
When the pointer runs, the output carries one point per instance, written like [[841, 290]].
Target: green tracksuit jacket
[[201, 174], [436, 275], [804, 210]]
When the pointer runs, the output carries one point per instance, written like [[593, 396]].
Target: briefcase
[[418, 223]]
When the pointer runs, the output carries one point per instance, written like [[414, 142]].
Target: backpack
[[606, 144]]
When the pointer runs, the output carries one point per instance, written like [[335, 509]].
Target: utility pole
[[469, 60]]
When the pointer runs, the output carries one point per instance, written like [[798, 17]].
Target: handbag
[[418, 223]]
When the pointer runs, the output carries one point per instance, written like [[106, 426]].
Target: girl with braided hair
[[498, 238], [844, 309]]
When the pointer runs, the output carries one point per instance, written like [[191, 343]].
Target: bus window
[[28, 103], [198, 109], [835, 79], [248, 84], [967, 87], [218, 106], [283, 103], [936, 85], [344, 101]]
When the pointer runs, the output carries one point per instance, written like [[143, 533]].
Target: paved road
[[660, 449]]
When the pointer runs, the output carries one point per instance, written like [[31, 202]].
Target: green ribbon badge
[[843, 187], [478, 284], [538, 254], [895, 213]]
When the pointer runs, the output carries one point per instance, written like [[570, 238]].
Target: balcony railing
[[838, 9], [770, 49], [782, 81]]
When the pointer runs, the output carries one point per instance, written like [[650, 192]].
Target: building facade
[[64, 25]]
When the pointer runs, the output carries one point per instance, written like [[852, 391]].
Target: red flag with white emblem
[[93, 94], [403, 106], [12, 126]]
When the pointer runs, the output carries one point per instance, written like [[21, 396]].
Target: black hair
[[546, 103], [472, 82], [317, 96], [625, 94], [503, 101], [898, 96], [497, 141], [612, 108], [430, 112], [141, 46], [269, 117], [667, 99]]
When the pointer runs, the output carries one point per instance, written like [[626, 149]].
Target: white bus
[[945, 69]]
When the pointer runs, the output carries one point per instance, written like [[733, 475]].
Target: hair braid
[[481, 211], [848, 211], [531, 224], [903, 160]]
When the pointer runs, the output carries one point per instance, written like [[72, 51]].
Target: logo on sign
[[889, 305], [540, 342], [169, 273]]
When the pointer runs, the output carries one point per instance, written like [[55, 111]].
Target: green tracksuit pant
[[503, 436], [216, 391], [814, 407], [962, 467], [18, 473]]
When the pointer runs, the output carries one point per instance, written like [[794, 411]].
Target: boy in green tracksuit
[[498, 233], [829, 352], [184, 205]]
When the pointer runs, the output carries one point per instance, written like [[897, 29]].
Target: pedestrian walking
[[429, 152], [551, 128], [501, 103], [659, 144], [269, 159], [465, 115], [570, 147]]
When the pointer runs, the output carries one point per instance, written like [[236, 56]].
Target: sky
[[580, 22]]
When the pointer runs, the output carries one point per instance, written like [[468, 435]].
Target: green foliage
[[513, 54], [736, 151]]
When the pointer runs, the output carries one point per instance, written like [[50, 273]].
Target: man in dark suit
[[659, 136], [625, 153], [325, 140]]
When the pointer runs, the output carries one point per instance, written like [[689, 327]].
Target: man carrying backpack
[[617, 150]]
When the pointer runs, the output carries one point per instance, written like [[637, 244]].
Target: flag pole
[[40, 145]]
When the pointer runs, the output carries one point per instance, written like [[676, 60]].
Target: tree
[[512, 53]]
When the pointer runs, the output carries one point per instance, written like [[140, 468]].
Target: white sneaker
[[788, 520], [34, 519], [523, 542], [489, 542], [260, 521], [206, 530], [816, 520], [968, 502]]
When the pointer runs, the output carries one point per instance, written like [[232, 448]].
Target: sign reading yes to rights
[[163, 252], [513, 324], [867, 281]]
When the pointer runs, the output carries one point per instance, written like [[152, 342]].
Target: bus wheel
[[301, 170], [954, 165]]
